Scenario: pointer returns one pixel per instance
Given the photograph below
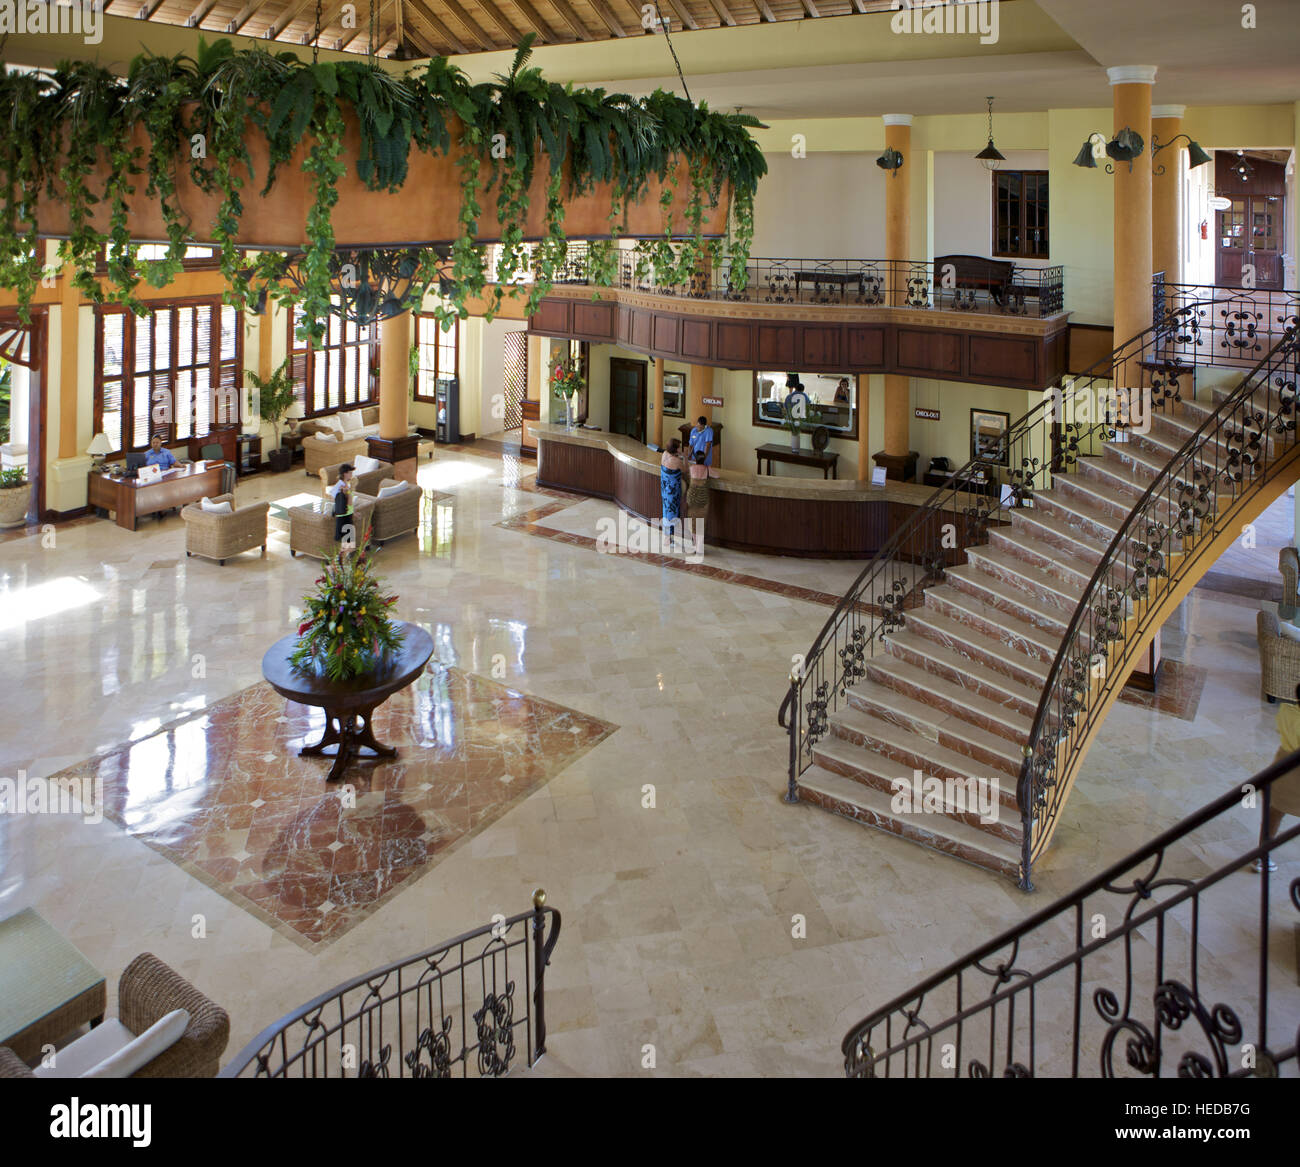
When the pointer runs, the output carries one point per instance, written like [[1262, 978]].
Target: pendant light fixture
[[989, 157], [1242, 167]]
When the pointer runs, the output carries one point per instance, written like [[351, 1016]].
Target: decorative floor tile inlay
[[224, 794]]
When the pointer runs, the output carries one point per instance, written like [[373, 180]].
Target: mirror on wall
[[833, 395]]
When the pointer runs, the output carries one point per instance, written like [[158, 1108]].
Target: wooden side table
[[249, 459]]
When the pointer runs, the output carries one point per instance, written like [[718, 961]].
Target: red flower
[[303, 627]]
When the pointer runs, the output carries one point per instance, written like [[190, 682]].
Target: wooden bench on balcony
[[974, 273]]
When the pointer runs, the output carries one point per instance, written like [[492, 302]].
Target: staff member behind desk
[[159, 455], [702, 440]]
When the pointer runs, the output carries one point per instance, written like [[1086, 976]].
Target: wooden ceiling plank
[[811, 8], [684, 14], [200, 11], [470, 24], [508, 30], [611, 21], [149, 7], [288, 16], [543, 30], [419, 40], [724, 13], [572, 19], [448, 37], [330, 13], [245, 14], [860, 6], [765, 11]]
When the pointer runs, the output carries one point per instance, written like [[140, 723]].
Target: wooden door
[[1249, 233], [627, 381]]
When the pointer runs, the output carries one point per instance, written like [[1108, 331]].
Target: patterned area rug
[[224, 794]]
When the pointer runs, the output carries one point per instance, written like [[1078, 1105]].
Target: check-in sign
[[713, 401]]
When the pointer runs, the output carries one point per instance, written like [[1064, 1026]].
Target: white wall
[[824, 206], [963, 202]]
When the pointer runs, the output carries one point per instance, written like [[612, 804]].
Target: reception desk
[[771, 515], [130, 499]]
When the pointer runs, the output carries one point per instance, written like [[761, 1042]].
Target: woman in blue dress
[[671, 468]]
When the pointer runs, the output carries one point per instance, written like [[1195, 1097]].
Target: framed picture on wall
[[674, 395], [988, 436]]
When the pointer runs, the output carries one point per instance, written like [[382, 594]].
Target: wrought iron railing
[[1113, 979], [1248, 439], [1237, 325], [908, 283], [465, 1008]]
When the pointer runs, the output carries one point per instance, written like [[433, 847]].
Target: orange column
[[1131, 99], [393, 444], [898, 459], [69, 323], [1166, 191], [657, 403], [864, 465]]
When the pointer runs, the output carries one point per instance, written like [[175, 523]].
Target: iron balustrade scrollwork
[[464, 1008], [1237, 324], [1186, 506], [1045, 442], [1055, 996]]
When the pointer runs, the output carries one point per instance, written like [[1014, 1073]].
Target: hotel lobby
[[948, 738]]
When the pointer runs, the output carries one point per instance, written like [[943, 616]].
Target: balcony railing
[[947, 283], [1170, 963], [466, 1008], [1216, 325]]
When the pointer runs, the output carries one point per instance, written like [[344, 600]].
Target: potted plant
[[15, 493], [566, 384], [274, 395]]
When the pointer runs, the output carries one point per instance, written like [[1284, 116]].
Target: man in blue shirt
[[158, 455], [702, 440]]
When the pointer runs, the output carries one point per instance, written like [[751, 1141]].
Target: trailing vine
[[69, 136]]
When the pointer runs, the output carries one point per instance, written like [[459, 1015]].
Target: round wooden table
[[349, 704]]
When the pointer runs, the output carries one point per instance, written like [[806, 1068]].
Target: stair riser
[[1075, 543], [1058, 597], [878, 708], [987, 626], [1076, 488], [970, 585], [907, 829], [943, 704], [1093, 525], [1111, 472], [1038, 560], [966, 679], [976, 654]]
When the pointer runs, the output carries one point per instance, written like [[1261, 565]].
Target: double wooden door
[[1249, 239]]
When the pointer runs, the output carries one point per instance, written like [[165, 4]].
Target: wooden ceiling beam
[[199, 12], [470, 24], [811, 8], [448, 37], [418, 39], [684, 14], [243, 17], [543, 30], [148, 8], [508, 30], [288, 16], [571, 18], [765, 11], [611, 21], [724, 13]]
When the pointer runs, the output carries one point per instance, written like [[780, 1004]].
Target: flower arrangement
[[566, 381], [345, 630]]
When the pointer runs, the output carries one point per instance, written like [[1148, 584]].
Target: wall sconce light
[[891, 159], [990, 158], [1195, 155], [1123, 147]]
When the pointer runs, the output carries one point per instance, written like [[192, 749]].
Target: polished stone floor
[[677, 915]]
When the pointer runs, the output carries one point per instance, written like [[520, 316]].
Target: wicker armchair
[[367, 483], [219, 537], [147, 992], [1288, 563], [311, 526], [1279, 659], [395, 515]]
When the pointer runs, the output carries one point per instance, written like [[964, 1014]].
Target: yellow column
[[897, 457], [1166, 191], [69, 323], [657, 403], [1131, 99], [864, 412], [394, 398]]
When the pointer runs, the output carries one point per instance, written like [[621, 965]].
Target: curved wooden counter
[[771, 515]]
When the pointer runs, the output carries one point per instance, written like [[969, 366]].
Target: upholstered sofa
[[367, 483], [311, 526], [339, 437], [145, 1040], [395, 515], [218, 536]]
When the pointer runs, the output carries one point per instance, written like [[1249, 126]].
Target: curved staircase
[[951, 702]]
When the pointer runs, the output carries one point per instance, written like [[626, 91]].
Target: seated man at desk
[[159, 455]]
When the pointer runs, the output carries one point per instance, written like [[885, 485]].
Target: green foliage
[[274, 393], [14, 476], [345, 631], [203, 112]]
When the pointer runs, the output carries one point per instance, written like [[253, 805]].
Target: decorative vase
[[794, 441], [569, 412], [13, 505]]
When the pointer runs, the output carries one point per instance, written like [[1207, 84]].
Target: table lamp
[[294, 414], [99, 446]]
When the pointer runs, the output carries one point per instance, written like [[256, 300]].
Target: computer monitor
[[134, 461]]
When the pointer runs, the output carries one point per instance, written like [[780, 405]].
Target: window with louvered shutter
[[439, 354], [337, 375]]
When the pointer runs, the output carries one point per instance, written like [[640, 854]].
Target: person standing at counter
[[697, 500], [671, 468], [702, 440]]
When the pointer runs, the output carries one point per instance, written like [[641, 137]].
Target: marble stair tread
[[941, 833], [1117, 474], [1047, 616], [949, 598], [934, 758], [899, 675], [1081, 511], [1044, 556], [1102, 489], [948, 631], [1042, 525], [937, 658], [1034, 582], [1132, 451]]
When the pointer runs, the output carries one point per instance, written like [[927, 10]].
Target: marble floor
[[677, 915]]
